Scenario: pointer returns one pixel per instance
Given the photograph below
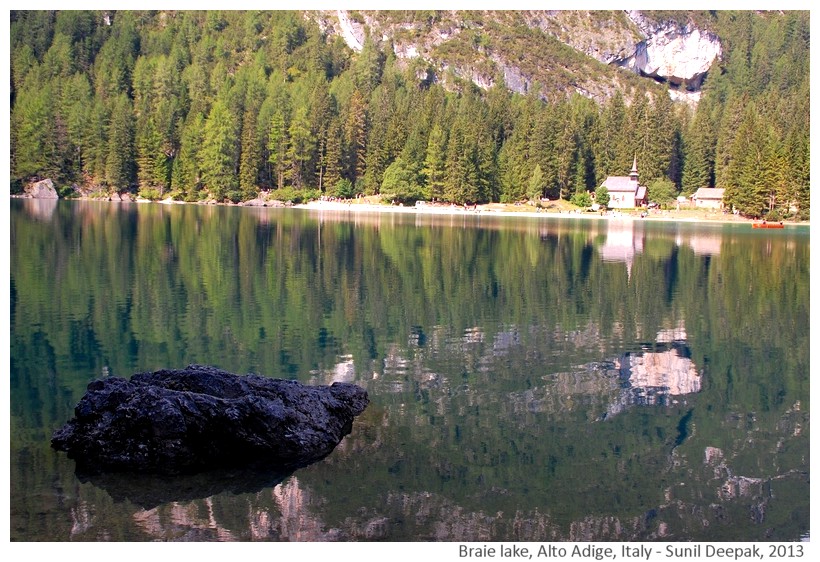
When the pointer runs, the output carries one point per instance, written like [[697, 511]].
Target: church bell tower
[[633, 175]]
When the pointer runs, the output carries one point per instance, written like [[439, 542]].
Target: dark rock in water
[[198, 418]]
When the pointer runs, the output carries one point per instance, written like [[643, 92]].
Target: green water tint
[[536, 379]]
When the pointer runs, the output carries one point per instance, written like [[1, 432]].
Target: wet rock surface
[[201, 418]]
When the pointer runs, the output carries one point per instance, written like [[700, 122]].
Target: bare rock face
[[676, 54], [43, 189], [200, 418]]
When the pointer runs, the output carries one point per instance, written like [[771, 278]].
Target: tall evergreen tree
[[333, 155], [32, 123], [278, 142], [613, 152], [186, 174], [356, 137], [434, 163], [535, 187], [301, 149], [148, 144], [75, 109], [698, 167], [219, 154], [119, 163]]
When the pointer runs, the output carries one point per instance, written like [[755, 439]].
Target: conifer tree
[[333, 162], [250, 154], [98, 138], [300, 149], [320, 114], [119, 163], [514, 163], [746, 189], [58, 62], [700, 149], [75, 110], [186, 175], [148, 144], [535, 188], [218, 157], [613, 153], [434, 163], [32, 120], [278, 146], [356, 137], [543, 148]]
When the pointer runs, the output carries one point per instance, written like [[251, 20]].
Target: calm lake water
[[531, 379]]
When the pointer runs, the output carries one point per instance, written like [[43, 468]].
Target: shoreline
[[687, 215], [698, 216]]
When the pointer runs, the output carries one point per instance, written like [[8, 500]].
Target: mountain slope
[[553, 52]]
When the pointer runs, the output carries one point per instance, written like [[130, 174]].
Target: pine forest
[[221, 106]]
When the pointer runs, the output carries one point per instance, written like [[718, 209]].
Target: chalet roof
[[619, 184], [641, 194], [708, 193]]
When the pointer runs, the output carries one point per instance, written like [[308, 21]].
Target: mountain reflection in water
[[530, 379]]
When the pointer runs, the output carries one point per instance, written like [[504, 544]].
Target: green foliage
[[150, 193], [119, 164], [343, 189], [66, 191], [434, 163], [229, 103], [31, 120], [401, 183], [293, 195], [218, 156], [602, 196], [582, 199], [773, 216], [535, 189], [662, 191]]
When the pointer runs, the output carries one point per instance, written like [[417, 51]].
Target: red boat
[[767, 225]]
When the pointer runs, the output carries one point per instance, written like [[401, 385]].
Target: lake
[[531, 379]]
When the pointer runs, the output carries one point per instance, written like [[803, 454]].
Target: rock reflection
[[294, 521], [41, 209], [606, 388], [82, 520], [183, 522], [655, 376], [149, 491], [278, 513]]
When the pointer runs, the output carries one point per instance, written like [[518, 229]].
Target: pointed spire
[[633, 175]]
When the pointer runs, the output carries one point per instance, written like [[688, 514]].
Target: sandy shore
[[502, 210], [555, 209]]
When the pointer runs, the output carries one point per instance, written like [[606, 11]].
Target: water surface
[[533, 379]]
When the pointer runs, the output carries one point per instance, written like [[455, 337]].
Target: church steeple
[[633, 175]]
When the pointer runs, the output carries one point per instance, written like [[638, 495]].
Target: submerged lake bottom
[[531, 379]]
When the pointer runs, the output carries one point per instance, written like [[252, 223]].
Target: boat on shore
[[765, 224]]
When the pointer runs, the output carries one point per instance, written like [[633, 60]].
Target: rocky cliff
[[674, 52], [557, 51]]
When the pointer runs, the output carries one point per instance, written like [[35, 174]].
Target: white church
[[624, 191]]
